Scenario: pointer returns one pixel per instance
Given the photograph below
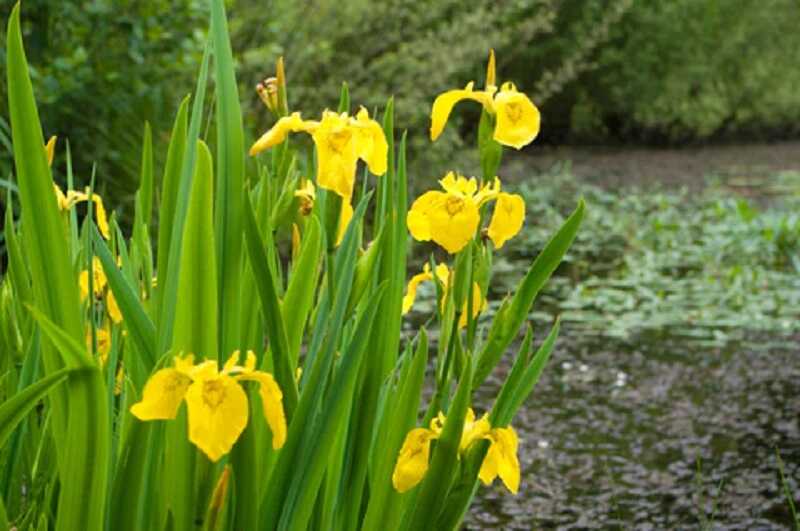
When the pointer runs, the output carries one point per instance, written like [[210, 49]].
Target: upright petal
[[217, 414], [459, 185], [272, 402], [517, 118], [373, 148], [278, 133], [50, 149], [162, 395], [411, 290], [474, 430], [507, 219], [412, 461], [337, 156], [444, 103]]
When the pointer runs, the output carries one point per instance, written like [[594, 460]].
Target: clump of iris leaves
[[711, 265]]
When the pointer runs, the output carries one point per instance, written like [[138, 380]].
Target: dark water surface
[[653, 435]]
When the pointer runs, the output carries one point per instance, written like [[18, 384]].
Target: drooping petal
[[345, 216], [478, 305], [272, 402], [417, 219], [517, 118], [453, 222], [278, 133], [217, 414], [411, 290], [507, 219], [444, 103], [162, 395], [501, 459], [50, 150], [373, 148], [102, 220], [113, 308], [412, 461], [337, 154]]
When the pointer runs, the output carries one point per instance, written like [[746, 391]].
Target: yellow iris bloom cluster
[[216, 402], [101, 291], [451, 218], [501, 458], [340, 141]]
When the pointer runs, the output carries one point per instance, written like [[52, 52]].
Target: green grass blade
[[144, 196], [538, 274], [230, 182]]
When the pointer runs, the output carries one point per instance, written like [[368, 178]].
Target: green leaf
[[271, 309], [13, 410], [196, 313], [542, 268], [300, 293], [230, 188]]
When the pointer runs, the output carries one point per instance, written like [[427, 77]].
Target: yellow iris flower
[[500, 460], [516, 118], [340, 140], [103, 337], [71, 198], [217, 404], [442, 273], [451, 218]]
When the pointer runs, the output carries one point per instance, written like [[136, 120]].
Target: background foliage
[[601, 70]]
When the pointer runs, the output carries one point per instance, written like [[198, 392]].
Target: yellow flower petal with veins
[[218, 412], [337, 153], [444, 103], [372, 146], [446, 218], [501, 459], [517, 118], [162, 395], [278, 133], [412, 461], [459, 185], [507, 219]]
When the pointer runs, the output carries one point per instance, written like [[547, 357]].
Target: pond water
[[653, 434]]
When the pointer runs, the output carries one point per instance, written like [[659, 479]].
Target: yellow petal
[[488, 192], [474, 430], [272, 402], [337, 154], [444, 103], [453, 222], [412, 461], [100, 212], [112, 308], [507, 219], [417, 219], [50, 149], [478, 305], [373, 148], [98, 281], [411, 290], [103, 338], [60, 197], [501, 459], [278, 133], [217, 414], [162, 395], [459, 185], [344, 219], [517, 118]]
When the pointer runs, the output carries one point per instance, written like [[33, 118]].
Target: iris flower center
[[213, 393]]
